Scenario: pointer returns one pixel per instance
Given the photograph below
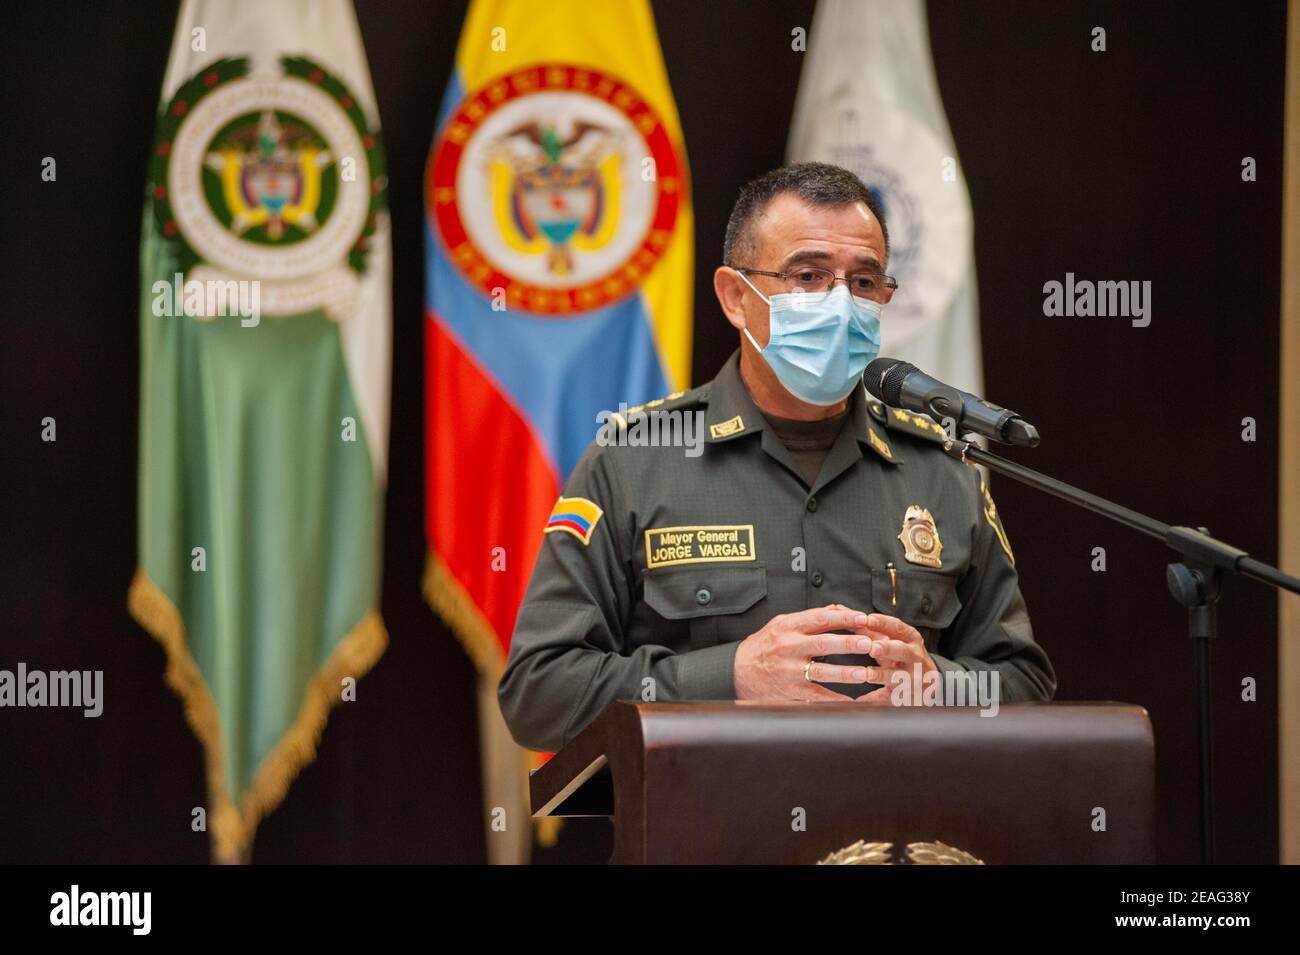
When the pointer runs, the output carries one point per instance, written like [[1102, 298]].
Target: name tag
[[700, 544]]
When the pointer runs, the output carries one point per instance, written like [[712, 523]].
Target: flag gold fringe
[[450, 601], [233, 827]]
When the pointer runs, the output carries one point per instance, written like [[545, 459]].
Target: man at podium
[[775, 534]]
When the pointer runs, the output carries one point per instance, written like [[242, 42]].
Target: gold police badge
[[920, 538]]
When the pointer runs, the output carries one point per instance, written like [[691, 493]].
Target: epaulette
[[678, 399], [899, 419]]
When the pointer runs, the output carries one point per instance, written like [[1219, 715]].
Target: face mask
[[819, 349]]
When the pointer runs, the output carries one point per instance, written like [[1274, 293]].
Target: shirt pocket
[[927, 601], [714, 601]]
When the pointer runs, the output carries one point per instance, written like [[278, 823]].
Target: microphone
[[903, 385]]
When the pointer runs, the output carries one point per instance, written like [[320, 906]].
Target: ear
[[730, 289]]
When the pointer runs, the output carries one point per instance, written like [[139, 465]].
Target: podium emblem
[[920, 538], [916, 853]]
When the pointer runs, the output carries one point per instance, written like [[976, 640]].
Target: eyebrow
[[867, 262]]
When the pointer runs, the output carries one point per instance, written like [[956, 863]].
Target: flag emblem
[[248, 179], [575, 515], [558, 185]]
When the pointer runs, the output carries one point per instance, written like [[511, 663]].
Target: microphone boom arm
[[1195, 582]]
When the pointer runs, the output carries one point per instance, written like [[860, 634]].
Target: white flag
[[869, 101]]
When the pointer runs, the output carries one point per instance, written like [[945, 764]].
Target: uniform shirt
[[807, 441], [656, 561]]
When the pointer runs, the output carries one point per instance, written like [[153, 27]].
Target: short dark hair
[[818, 183]]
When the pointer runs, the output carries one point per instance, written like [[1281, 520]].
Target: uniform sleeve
[[569, 655], [992, 631]]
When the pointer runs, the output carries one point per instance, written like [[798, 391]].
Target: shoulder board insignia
[[677, 398], [919, 425], [622, 420]]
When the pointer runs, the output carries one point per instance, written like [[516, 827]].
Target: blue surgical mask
[[819, 349]]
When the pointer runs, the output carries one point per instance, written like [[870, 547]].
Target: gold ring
[[806, 667]]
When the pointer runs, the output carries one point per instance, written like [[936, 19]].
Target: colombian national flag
[[559, 269], [574, 515]]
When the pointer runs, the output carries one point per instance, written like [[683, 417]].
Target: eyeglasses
[[812, 281]]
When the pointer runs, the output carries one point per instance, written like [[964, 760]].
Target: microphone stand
[[1196, 582]]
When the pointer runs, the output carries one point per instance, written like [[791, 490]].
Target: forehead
[[789, 224]]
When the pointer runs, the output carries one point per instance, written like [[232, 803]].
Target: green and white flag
[[869, 101], [265, 355]]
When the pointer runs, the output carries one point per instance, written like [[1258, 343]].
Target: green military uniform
[[657, 563]]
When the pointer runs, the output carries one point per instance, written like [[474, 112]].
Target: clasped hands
[[776, 664]]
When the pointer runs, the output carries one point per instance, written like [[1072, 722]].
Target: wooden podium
[[742, 783]]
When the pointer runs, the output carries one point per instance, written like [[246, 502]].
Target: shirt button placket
[[815, 578]]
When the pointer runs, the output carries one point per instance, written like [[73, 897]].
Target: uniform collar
[[733, 414]]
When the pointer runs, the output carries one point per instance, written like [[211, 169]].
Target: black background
[[1117, 165]]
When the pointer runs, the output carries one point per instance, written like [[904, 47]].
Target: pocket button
[[703, 596]]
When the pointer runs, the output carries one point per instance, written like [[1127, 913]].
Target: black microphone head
[[884, 379]]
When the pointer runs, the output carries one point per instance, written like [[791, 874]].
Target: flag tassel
[[233, 827]]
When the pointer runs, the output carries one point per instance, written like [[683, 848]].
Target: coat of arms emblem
[[271, 175], [556, 187]]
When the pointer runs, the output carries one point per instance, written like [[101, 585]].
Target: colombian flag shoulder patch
[[575, 515]]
